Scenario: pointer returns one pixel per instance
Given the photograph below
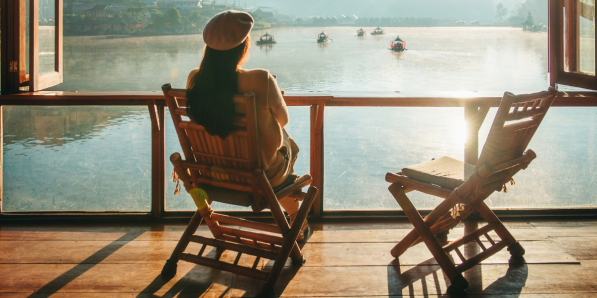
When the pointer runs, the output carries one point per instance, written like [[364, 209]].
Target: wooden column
[[158, 158], [317, 155], [555, 44], [1, 158], [474, 117]]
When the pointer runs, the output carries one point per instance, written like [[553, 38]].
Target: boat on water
[[266, 39], [323, 37], [398, 45], [378, 31], [361, 32]]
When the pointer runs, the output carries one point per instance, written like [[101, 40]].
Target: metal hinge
[[14, 66]]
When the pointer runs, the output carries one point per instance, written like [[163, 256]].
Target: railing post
[[158, 158], [473, 117], [317, 155], [1, 158]]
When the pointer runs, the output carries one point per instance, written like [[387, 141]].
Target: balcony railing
[[317, 102]]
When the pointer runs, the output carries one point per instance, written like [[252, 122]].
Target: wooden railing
[[470, 101]]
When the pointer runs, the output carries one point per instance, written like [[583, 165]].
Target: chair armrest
[[297, 185], [527, 157]]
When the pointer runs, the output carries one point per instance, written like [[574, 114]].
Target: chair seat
[[445, 171]]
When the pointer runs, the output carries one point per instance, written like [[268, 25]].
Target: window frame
[[564, 45], [14, 72]]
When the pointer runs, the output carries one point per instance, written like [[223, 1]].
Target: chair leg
[[514, 247], [458, 283], [170, 267], [289, 244]]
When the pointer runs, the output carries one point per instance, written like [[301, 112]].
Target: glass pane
[[76, 158], [587, 36], [47, 36], [298, 129], [563, 174], [363, 144]]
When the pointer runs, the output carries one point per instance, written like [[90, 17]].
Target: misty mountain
[[439, 9]]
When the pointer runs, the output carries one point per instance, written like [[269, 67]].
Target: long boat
[[361, 32], [266, 39], [377, 31], [398, 45], [323, 37]]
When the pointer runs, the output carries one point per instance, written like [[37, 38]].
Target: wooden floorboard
[[343, 260]]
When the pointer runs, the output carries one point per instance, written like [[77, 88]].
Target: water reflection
[[323, 45], [51, 127], [76, 158], [266, 48]]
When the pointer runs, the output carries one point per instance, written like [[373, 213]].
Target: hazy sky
[[453, 9]]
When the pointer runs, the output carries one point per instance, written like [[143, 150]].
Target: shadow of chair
[[510, 284]]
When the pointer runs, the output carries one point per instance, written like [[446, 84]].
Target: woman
[[212, 86]]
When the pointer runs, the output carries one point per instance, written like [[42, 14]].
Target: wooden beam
[[317, 154], [1, 159], [158, 159], [554, 41], [474, 117]]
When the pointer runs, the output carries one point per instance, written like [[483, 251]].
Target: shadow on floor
[[58, 283], [416, 278], [201, 279]]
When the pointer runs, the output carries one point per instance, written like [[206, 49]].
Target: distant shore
[[153, 33]]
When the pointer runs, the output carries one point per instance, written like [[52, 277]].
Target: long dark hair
[[210, 94]]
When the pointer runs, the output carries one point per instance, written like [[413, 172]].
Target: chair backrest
[[221, 162], [515, 123]]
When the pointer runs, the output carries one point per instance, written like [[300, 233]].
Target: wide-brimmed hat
[[227, 29]]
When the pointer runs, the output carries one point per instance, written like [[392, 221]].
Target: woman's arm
[[276, 103], [191, 75]]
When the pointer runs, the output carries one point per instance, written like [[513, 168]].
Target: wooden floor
[[343, 259]]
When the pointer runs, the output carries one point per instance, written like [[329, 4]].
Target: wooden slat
[[220, 157], [235, 247], [178, 93], [252, 235], [219, 170], [223, 184], [417, 185], [190, 125], [252, 243], [525, 114], [224, 266], [481, 256], [245, 223], [514, 127], [469, 237]]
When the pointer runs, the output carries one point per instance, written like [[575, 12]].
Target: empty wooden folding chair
[[465, 187], [229, 171]]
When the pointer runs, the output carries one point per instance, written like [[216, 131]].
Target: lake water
[[98, 158]]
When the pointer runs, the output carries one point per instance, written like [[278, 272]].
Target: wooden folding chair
[[464, 186], [229, 171]]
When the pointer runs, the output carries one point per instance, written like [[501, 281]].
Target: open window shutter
[[45, 44], [572, 43]]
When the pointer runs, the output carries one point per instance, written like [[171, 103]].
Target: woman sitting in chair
[[211, 88]]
